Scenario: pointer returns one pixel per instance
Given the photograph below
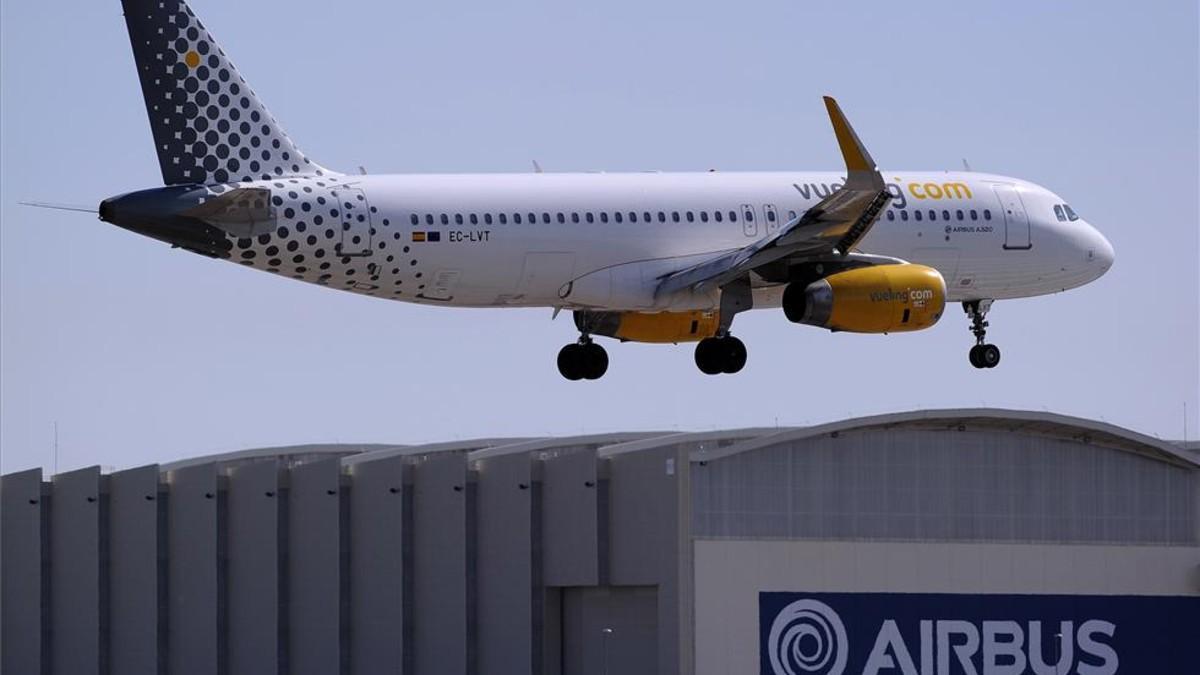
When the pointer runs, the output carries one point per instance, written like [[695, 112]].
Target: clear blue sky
[[142, 353]]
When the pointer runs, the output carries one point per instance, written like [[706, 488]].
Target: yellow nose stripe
[[192, 59]]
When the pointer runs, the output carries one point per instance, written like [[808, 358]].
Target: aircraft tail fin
[[208, 125]]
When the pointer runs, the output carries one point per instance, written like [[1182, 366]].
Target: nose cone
[[1100, 252]]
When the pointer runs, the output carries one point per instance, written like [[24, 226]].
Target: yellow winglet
[[859, 164]]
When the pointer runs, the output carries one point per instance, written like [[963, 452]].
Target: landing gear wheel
[[973, 356], [582, 361], [988, 357], [708, 356], [720, 355], [594, 361], [569, 362], [735, 355]]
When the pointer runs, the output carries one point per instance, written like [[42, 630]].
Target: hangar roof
[[709, 445], [1021, 421]]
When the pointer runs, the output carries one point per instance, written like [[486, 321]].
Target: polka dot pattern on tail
[[208, 125]]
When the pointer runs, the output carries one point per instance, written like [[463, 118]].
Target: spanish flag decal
[[426, 236]]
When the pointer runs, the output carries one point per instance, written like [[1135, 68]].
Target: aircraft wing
[[832, 227]]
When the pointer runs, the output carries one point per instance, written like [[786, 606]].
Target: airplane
[[644, 257]]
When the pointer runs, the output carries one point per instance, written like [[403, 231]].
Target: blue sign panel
[[949, 634]]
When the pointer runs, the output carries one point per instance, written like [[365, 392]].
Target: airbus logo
[[809, 636]]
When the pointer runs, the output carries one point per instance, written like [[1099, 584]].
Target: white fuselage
[[486, 240]]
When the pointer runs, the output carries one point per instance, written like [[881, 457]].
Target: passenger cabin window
[[675, 216], [458, 219], [662, 217], [749, 216], [917, 214], [717, 216], [733, 216], [958, 214], [589, 217], [704, 216], [771, 216], [904, 215], [414, 219], [561, 218], [945, 215], [974, 214], [428, 218], [445, 219], [932, 214], [617, 216], [987, 214], [891, 215], [574, 216], [791, 215], [691, 217], [487, 219], [604, 216], [1070, 213], [633, 216]]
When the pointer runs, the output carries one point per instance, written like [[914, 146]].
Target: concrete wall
[[730, 574]]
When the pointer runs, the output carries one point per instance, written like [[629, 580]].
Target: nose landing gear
[[583, 360], [982, 355]]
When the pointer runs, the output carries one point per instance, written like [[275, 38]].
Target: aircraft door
[[355, 217], [749, 222], [772, 218], [1016, 220]]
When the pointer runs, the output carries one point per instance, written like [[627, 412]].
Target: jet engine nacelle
[[878, 299]]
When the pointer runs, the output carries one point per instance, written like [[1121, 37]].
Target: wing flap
[[833, 226]]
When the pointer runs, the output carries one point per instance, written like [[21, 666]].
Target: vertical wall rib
[[193, 579], [133, 571], [21, 518], [440, 565], [253, 583], [376, 527], [75, 584], [314, 574]]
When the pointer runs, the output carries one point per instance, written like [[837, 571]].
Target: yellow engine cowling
[[879, 299], [649, 327]]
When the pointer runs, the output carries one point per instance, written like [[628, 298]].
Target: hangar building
[[948, 541]]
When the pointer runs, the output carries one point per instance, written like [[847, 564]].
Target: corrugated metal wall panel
[[945, 486]]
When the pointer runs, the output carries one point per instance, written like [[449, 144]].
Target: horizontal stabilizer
[[244, 212]]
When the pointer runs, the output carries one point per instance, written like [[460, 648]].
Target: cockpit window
[[1058, 212], [1070, 214]]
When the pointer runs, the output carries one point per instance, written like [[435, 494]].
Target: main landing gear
[[982, 355], [583, 360], [717, 355]]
